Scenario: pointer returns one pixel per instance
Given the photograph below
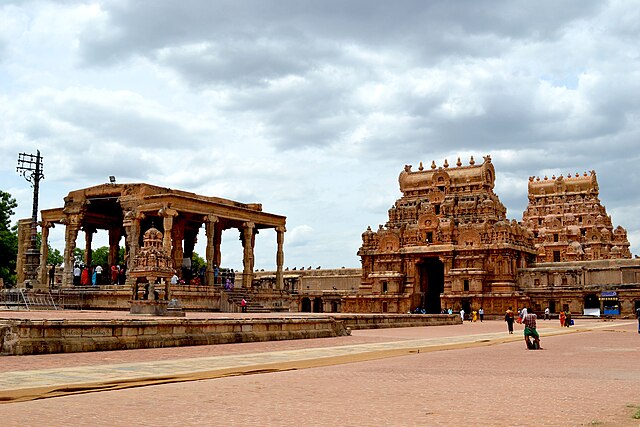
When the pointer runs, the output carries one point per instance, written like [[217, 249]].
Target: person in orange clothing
[[562, 318], [85, 278]]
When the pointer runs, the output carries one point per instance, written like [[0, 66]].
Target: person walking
[[547, 314], [481, 314], [638, 316], [509, 317], [474, 316], [462, 314], [567, 318], [562, 318], [243, 303]]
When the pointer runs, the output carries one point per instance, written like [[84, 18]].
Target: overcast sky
[[312, 108]]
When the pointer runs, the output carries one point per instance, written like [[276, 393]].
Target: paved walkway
[[475, 342]]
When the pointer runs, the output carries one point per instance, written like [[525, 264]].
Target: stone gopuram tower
[[447, 244], [569, 223]]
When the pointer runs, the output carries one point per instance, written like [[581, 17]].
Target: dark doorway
[[431, 284], [334, 306], [317, 305], [466, 306], [591, 301], [306, 305]]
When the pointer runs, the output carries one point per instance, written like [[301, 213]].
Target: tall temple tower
[[569, 223], [447, 243]]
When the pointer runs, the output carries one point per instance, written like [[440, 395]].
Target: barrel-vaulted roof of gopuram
[[585, 183], [423, 180]]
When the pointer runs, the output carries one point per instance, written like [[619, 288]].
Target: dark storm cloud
[[144, 26]]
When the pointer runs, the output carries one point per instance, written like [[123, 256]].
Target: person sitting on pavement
[[530, 330]]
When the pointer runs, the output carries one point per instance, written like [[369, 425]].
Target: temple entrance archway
[[431, 284], [305, 305]]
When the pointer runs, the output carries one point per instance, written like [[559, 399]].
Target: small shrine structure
[[151, 272]]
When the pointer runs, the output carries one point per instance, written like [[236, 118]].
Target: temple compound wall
[[127, 211], [447, 244]]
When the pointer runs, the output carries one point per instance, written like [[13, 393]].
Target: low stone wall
[[22, 337], [377, 321], [110, 297]]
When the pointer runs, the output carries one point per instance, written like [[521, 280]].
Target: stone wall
[[21, 337]]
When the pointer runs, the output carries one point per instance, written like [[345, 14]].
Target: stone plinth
[[155, 308], [21, 337]]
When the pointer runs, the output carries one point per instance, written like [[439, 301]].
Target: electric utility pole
[[30, 167]]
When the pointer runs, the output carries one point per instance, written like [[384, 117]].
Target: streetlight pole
[[30, 167]]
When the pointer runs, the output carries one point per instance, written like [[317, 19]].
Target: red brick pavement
[[590, 378]]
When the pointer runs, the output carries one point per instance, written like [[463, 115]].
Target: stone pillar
[[115, 233], [217, 240], [210, 228], [43, 278], [177, 253], [72, 227], [280, 257], [88, 238], [167, 222], [247, 241], [132, 229]]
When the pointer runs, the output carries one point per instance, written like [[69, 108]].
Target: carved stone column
[[217, 241], [72, 227], [115, 233], [167, 222], [280, 257], [248, 238], [43, 278], [177, 252], [210, 229], [88, 238], [131, 225]]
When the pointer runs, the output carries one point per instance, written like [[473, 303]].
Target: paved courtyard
[[470, 374]]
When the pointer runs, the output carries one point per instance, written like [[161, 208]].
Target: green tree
[[197, 262], [54, 256], [100, 256], [8, 238]]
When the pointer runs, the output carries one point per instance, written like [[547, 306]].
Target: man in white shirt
[[76, 275], [98, 274]]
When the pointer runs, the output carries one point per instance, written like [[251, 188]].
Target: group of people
[[95, 275], [565, 318], [473, 316]]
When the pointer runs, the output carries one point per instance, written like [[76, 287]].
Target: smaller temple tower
[[569, 223]]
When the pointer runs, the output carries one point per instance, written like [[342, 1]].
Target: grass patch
[[635, 416]]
